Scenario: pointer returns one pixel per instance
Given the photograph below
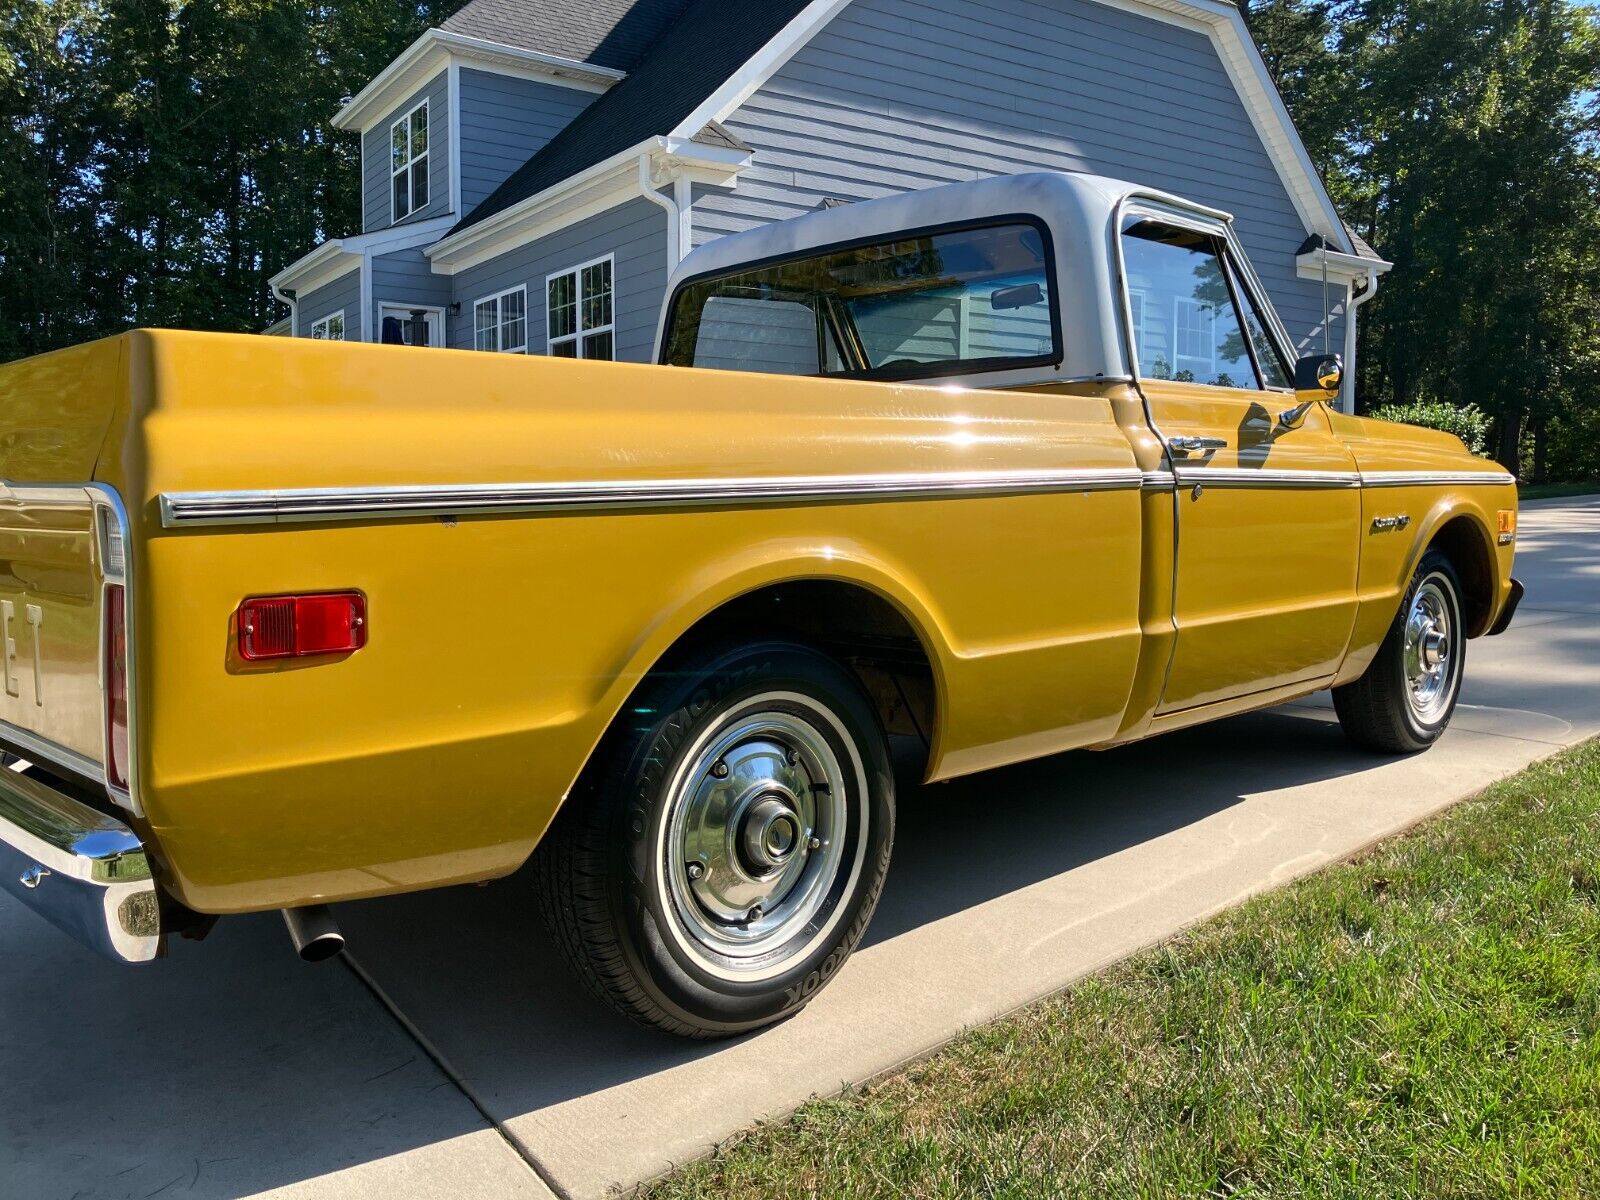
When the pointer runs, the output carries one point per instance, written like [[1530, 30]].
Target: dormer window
[[408, 162]]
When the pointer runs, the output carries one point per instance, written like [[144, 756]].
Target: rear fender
[[724, 581]]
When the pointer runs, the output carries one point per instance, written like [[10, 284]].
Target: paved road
[[233, 1070]]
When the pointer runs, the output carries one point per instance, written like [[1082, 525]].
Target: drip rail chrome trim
[[271, 507], [1437, 478]]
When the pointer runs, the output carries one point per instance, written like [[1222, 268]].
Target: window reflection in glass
[[1187, 329], [915, 306]]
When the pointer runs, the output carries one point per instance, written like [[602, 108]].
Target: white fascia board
[[1341, 267], [603, 186], [329, 261], [435, 50], [339, 256], [762, 66], [1221, 22]]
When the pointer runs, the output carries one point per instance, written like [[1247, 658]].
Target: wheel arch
[[1464, 538], [836, 602]]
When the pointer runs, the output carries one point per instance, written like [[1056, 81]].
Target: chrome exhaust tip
[[314, 932]]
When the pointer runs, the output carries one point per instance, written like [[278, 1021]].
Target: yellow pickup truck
[[999, 469]]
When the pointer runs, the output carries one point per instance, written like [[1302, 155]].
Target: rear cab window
[[917, 305]]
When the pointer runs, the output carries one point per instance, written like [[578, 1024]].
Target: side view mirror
[[1317, 378]]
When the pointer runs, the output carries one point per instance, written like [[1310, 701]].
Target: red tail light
[[116, 672], [302, 626]]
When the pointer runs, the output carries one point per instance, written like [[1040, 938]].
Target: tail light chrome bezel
[[114, 552]]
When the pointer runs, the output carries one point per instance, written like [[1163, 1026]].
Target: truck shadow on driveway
[[472, 968]]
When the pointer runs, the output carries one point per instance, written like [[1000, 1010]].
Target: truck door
[[1268, 516]]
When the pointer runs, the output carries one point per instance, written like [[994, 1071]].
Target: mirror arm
[[1293, 418]]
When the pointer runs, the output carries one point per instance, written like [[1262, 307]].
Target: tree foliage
[[1458, 136], [163, 158]]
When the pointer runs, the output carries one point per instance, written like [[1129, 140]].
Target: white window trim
[[427, 155], [1207, 330], [582, 334], [436, 339], [322, 323], [495, 298]]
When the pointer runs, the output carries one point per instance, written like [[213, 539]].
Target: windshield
[[921, 305]]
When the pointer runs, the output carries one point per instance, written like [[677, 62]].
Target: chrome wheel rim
[[1430, 649], [756, 835]]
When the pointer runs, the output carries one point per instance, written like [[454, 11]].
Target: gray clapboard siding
[[376, 206], [636, 232], [343, 293], [505, 121], [987, 87], [405, 277]]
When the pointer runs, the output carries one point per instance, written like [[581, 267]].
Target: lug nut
[[755, 914], [814, 843], [793, 757], [719, 769], [696, 870]]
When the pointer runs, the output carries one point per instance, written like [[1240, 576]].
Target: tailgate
[[50, 622], [55, 411]]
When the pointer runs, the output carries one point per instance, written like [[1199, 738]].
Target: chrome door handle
[[1196, 445]]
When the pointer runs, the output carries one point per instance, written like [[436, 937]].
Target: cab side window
[[1187, 326]]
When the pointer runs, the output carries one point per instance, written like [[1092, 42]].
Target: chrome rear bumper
[[84, 872]]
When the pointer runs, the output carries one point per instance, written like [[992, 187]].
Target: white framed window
[[500, 322], [1194, 325], [580, 310], [329, 328], [408, 163]]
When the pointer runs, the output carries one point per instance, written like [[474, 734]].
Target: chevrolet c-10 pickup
[[997, 470]]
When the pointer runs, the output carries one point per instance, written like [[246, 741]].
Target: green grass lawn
[[1549, 491], [1423, 1021]]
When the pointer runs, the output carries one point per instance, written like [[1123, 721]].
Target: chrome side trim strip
[[184, 509], [1437, 478], [1159, 481], [1245, 477]]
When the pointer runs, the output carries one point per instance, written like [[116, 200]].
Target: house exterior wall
[[405, 277], [376, 206], [1008, 87], [635, 232], [505, 121], [343, 293]]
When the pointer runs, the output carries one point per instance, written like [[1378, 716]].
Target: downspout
[[293, 301], [1357, 299], [647, 188]]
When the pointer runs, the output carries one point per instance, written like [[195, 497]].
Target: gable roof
[[607, 33], [707, 45], [719, 52]]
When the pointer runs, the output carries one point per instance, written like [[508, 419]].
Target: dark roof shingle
[[606, 33], [696, 55]]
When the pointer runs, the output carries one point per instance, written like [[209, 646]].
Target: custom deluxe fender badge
[[1386, 524], [1508, 526]]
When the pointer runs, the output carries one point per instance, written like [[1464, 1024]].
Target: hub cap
[[753, 839], [1430, 650]]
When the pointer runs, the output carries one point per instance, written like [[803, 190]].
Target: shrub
[[1467, 422]]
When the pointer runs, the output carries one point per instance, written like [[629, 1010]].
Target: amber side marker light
[[303, 626]]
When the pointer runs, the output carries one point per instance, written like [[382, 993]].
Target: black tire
[[633, 928], [1381, 710]]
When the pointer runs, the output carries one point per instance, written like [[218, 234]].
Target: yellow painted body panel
[[1266, 576], [502, 646]]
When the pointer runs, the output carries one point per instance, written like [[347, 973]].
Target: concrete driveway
[[454, 1057]]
